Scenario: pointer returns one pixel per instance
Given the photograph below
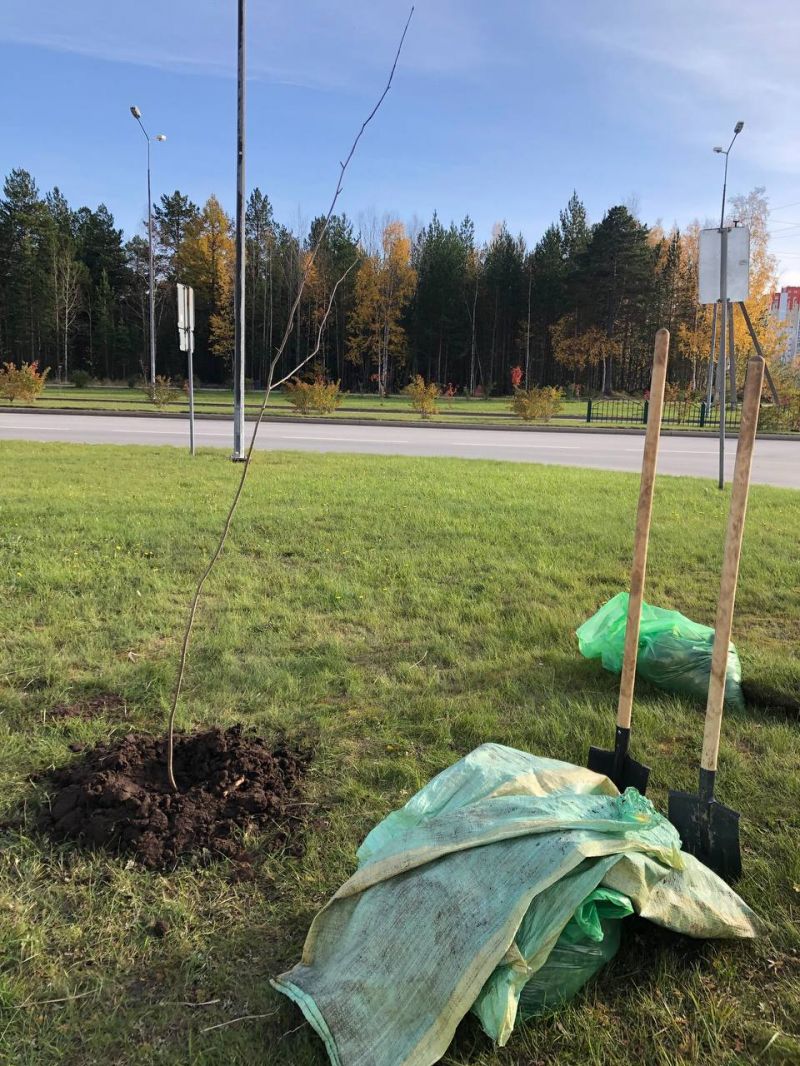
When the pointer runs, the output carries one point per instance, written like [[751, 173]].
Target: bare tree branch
[[337, 193], [233, 1021], [315, 350], [274, 362], [226, 529]]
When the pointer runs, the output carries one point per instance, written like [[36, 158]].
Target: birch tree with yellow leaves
[[206, 260], [753, 210], [384, 285]]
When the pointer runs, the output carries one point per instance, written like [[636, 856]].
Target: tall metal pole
[[732, 355], [723, 306], [723, 310], [137, 114], [710, 380], [239, 319], [725, 186], [190, 322], [754, 338], [152, 299]]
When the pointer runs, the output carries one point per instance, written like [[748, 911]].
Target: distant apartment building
[[786, 308]]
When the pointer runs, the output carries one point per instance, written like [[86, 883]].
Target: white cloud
[[317, 45], [728, 56]]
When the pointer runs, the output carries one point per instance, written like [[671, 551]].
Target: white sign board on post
[[185, 315], [186, 342], [738, 272]]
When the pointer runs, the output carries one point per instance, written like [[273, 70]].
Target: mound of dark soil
[[116, 796]]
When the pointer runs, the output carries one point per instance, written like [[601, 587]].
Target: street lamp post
[[723, 306], [737, 129], [239, 453], [137, 114]]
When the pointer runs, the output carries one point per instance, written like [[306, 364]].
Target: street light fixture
[[137, 114], [737, 129]]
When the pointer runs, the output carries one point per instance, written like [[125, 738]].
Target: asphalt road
[[776, 462]]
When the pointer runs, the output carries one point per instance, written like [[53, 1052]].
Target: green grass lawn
[[393, 402], [396, 612], [218, 401]]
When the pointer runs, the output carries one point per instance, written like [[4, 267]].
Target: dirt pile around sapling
[[116, 796]]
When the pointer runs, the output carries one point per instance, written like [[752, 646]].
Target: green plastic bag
[[674, 651], [462, 895], [590, 939]]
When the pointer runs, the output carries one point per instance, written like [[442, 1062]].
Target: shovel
[[709, 830], [617, 764]]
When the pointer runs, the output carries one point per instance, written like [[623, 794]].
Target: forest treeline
[[579, 307]]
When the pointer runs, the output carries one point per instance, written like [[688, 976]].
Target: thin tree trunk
[[472, 381], [528, 333], [66, 337], [91, 344]]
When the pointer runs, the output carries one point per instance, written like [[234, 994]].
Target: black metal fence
[[632, 411], [676, 413]]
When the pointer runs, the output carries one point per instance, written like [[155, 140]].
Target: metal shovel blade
[[708, 830], [624, 771]]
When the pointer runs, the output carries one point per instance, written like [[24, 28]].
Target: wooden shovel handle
[[730, 561], [642, 535]]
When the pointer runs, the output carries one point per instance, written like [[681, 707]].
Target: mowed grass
[[452, 411], [394, 402], [396, 613], [218, 402]]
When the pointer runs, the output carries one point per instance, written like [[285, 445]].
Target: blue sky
[[499, 108]]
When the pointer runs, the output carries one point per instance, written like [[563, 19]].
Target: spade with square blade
[[617, 764], [707, 829]]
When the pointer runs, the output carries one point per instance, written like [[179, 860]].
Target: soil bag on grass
[[590, 939], [502, 865], [674, 651]]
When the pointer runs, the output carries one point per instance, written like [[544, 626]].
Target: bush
[[299, 395], [327, 396], [162, 392], [135, 382], [185, 384], [782, 419], [535, 403], [317, 395], [22, 382], [81, 378], [423, 397]]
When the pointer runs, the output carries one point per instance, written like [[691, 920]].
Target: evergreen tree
[[440, 319], [616, 281], [582, 306]]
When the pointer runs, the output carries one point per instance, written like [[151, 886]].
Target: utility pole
[[710, 378], [239, 318], [723, 307], [723, 311], [186, 344], [137, 114]]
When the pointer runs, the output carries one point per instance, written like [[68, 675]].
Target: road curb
[[627, 431]]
